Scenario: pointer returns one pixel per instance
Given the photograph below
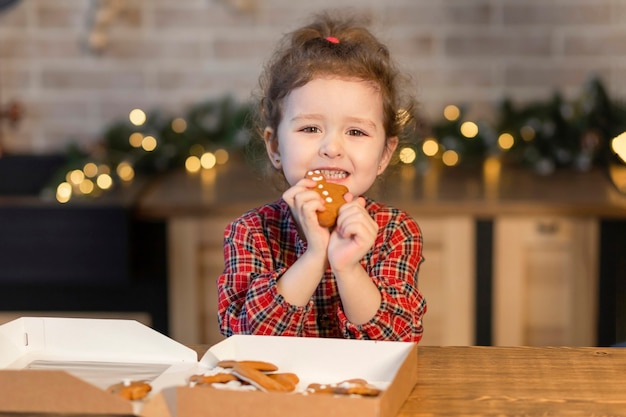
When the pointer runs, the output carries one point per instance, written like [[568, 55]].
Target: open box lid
[[87, 339], [63, 365]]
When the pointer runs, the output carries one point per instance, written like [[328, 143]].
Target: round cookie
[[131, 390]]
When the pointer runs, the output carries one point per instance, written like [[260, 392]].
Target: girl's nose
[[332, 146]]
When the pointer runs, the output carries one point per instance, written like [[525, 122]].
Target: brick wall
[[168, 54]]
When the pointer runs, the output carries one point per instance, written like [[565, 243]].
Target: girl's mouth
[[331, 174]]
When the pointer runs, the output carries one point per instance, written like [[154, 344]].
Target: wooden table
[[517, 381]]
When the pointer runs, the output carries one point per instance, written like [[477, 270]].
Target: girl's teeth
[[334, 174]]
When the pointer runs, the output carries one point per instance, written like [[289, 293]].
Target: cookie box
[[65, 365], [390, 366]]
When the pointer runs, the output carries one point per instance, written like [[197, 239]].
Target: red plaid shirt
[[263, 243]]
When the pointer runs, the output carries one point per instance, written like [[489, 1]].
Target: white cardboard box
[[84, 356], [96, 353]]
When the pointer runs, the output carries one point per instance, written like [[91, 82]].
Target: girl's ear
[[271, 146], [390, 148]]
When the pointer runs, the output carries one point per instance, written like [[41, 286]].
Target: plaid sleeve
[[248, 302], [394, 265]]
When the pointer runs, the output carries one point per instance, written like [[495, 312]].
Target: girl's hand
[[304, 203], [354, 235]]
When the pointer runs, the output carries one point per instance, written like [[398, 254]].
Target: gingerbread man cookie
[[333, 198]]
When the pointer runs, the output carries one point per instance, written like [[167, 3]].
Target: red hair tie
[[332, 39]]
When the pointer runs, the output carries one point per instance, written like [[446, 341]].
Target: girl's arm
[[248, 301], [393, 267]]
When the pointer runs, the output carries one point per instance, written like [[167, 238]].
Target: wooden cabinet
[[537, 275], [545, 280], [447, 280]]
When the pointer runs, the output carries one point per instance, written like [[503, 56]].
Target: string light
[[64, 192], [90, 169], [149, 143], [506, 141], [618, 144], [527, 132], [86, 187], [179, 125], [75, 177], [221, 156], [469, 129], [135, 139], [430, 147], [451, 112], [125, 171], [104, 181], [137, 117], [208, 160], [192, 164], [407, 155], [450, 158]]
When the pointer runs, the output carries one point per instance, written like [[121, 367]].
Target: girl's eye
[[356, 132], [311, 129]]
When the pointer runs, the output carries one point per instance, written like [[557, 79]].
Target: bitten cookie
[[333, 198]]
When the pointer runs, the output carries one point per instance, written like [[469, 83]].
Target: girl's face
[[334, 125]]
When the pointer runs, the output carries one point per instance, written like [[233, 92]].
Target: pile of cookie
[[264, 376], [252, 375], [258, 374]]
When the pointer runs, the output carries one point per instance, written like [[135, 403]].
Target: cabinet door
[[545, 281], [195, 261], [447, 280]]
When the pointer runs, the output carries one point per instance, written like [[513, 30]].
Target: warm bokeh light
[[86, 187], [451, 112], [64, 192], [450, 158], [506, 141], [618, 144], [491, 169], [75, 177], [527, 133], [104, 181], [104, 169], [221, 156], [90, 169], [469, 129], [125, 171], [208, 160], [149, 143], [192, 164], [430, 147], [196, 150], [407, 155], [137, 117], [135, 139], [179, 125]]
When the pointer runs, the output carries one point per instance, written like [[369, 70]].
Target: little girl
[[331, 100]]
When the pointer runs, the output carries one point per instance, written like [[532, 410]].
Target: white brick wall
[[169, 53]]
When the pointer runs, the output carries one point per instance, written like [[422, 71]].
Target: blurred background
[[516, 178]]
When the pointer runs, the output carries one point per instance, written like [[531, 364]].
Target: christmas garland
[[543, 136]]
